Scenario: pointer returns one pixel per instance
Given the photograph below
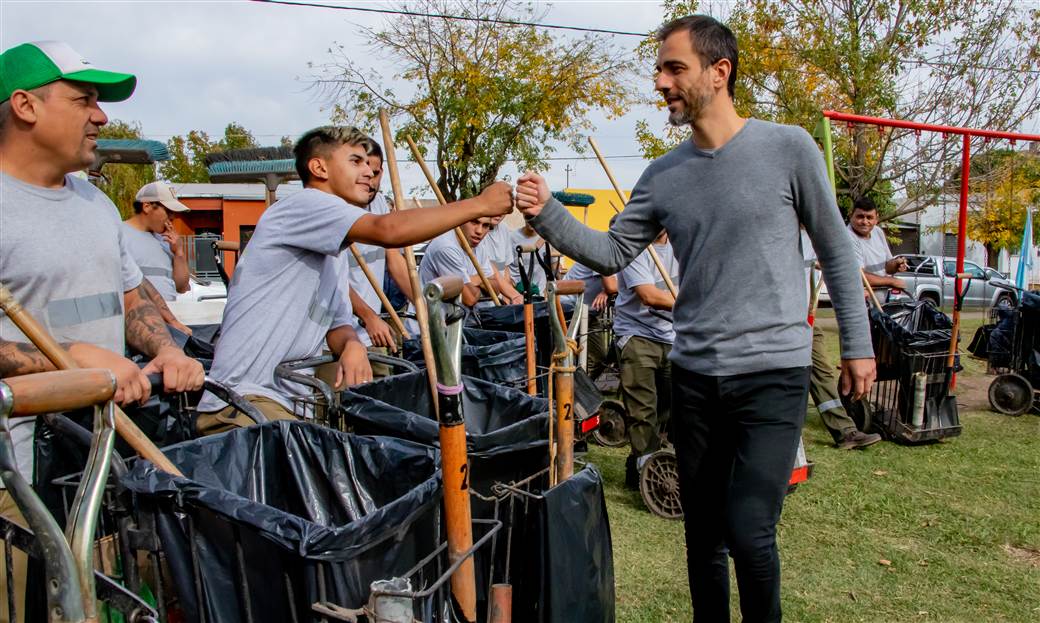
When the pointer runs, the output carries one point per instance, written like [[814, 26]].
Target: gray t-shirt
[[537, 278], [153, 255], [375, 257], [444, 257], [871, 253], [593, 280], [733, 218], [286, 294], [631, 316], [64, 258], [497, 246]]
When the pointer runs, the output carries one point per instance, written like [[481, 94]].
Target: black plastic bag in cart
[[567, 574], [507, 431], [271, 519], [496, 356], [511, 318], [906, 329]]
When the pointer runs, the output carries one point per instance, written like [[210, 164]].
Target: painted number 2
[[464, 470]]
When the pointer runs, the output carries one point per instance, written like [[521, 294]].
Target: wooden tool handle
[[227, 245], [65, 390], [62, 360], [567, 287], [870, 288], [528, 248], [459, 236], [451, 286], [378, 287], [421, 312]]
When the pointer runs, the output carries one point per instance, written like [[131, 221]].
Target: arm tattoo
[[157, 300], [145, 330], [17, 358]]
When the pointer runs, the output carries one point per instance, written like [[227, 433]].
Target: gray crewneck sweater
[[733, 216]]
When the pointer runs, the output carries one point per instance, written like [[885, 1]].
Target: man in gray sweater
[[731, 199]]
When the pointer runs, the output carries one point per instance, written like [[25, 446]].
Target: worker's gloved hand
[[132, 384], [497, 199], [532, 193], [180, 372]]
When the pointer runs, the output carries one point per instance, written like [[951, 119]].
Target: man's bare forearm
[[409, 227], [157, 300], [338, 338], [146, 330], [17, 358], [361, 309], [181, 273]]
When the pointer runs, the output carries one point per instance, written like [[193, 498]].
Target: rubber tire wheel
[[1011, 394], [659, 484], [1005, 301], [612, 431]]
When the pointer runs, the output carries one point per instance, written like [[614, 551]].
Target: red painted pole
[[962, 231], [928, 127]]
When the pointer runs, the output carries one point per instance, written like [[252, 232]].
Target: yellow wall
[[600, 210]]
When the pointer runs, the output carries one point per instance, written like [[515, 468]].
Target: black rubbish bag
[[507, 431], [274, 518], [904, 331], [496, 356], [511, 318], [566, 575]]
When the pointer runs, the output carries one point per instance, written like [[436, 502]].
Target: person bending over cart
[[64, 255], [731, 198], [288, 299], [645, 333], [444, 257], [496, 250]]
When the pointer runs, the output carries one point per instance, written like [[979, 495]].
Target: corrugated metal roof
[[240, 192]]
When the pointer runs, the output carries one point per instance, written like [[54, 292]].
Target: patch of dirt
[[1025, 555], [973, 391]]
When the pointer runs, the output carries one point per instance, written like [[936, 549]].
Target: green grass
[[959, 521]]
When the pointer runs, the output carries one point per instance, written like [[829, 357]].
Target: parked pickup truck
[[931, 278]]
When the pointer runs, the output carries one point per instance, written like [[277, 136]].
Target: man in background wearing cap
[[62, 251], [156, 248]]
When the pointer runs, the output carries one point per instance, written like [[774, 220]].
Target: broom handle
[[63, 361], [422, 314], [870, 288], [378, 287], [621, 195], [458, 230], [657, 261]]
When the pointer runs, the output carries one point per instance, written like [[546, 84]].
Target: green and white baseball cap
[[35, 64]]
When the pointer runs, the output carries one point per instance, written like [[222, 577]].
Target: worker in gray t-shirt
[[153, 242], [645, 333], [444, 257], [598, 290], [498, 251], [871, 247], [289, 298]]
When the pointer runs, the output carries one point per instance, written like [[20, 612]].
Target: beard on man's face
[[693, 104]]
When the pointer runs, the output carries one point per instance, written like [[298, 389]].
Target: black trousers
[[736, 438]]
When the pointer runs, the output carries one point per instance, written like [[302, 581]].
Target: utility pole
[[567, 169]]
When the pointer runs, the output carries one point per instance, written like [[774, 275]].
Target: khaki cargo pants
[[9, 510], [228, 418], [646, 388]]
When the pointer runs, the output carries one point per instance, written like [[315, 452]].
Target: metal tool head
[[442, 299]]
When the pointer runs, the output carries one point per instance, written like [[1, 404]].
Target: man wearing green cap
[[63, 255]]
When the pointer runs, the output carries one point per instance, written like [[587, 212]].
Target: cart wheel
[[611, 431], [1011, 394], [659, 484]]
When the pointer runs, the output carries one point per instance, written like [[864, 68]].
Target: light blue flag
[[1025, 254]]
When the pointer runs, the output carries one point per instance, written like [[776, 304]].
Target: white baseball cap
[[162, 193]]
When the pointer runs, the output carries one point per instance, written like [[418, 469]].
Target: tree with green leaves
[[478, 94], [122, 181], [973, 63], [187, 152], [1006, 185]]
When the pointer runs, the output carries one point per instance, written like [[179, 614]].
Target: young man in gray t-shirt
[[289, 297], [444, 257]]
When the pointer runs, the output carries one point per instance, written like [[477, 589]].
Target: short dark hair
[[375, 150], [138, 206], [320, 141], [712, 41], [866, 204]]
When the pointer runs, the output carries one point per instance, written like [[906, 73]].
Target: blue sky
[[202, 64]]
